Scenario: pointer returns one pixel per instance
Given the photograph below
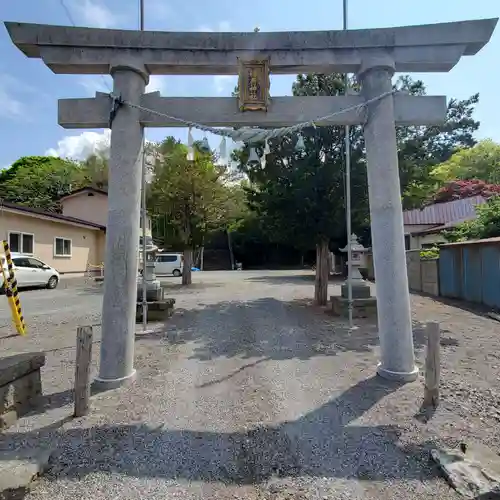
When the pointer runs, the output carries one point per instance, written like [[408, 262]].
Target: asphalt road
[[63, 302]]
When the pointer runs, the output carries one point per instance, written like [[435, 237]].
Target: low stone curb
[[17, 474]]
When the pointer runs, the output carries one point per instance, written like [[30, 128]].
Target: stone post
[[393, 297], [122, 233]]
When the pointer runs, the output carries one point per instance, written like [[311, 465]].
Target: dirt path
[[252, 393]]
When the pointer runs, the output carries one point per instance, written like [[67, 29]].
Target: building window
[[407, 242], [62, 247], [21, 242]]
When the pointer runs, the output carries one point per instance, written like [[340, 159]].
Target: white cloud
[[157, 82], [79, 147], [94, 13]]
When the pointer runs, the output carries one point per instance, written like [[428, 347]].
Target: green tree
[[93, 171], [482, 162], [486, 225], [421, 149], [299, 195], [38, 181], [190, 196]]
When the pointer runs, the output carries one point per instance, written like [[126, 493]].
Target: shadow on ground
[[272, 329], [321, 443], [170, 287], [291, 279], [266, 329], [470, 307]]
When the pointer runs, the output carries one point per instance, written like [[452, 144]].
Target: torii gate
[[131, 56]]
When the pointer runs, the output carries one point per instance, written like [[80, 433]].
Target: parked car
[[31, 272], [169, 263]]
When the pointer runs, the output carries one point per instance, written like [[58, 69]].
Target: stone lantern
[[158, 307], [363, 304], [360, 288], [153, 289]]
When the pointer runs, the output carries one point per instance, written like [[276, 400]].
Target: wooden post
[[188, 264], [432, 365], [322, 273], [82, 370]]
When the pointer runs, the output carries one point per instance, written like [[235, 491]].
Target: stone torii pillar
[[386, 214], [122, 230]]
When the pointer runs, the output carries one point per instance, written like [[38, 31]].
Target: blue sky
[[29, 90]]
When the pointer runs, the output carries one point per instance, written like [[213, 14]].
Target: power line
[[68, 13], [72, 21]]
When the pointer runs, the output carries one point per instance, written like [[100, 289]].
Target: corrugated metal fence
[[471, 271]]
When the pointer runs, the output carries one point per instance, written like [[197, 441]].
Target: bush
[[486, 225], [429, 253]]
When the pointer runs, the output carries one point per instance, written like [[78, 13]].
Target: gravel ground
[[250, 392]]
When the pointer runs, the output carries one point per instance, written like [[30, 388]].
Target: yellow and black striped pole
[[10, 285]]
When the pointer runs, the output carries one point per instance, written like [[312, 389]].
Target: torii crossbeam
[[373, 54], [224, 112]]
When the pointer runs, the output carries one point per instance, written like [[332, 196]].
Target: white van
[[169, 263]]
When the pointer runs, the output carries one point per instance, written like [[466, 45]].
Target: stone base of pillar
[[398, 376], [158, 310], [153, 291], [101, 385], [359, 291], [361, 308]]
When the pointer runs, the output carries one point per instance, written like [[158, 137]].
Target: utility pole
[[348, 192]]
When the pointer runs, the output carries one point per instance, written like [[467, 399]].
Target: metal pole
[[144, 220], [143, 211], [348, 193]]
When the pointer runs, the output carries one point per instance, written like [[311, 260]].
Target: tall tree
[[94, 171], [38, 181], [420, 149], [300, 194], [480, 162], [190, 196]]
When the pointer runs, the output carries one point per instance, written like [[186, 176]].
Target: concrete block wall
[[413, 265], [423, 275], [430, 276]]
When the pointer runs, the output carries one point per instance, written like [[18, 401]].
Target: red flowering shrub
[[457, 190]]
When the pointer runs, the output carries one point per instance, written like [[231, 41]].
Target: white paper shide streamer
[[190, 155], [253, 135]]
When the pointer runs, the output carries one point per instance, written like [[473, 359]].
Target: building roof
[[87, 189], [448, 214], [37, 212], [485, 241]]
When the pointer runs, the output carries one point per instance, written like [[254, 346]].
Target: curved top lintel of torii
[[424, 48]]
